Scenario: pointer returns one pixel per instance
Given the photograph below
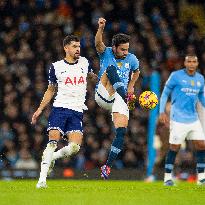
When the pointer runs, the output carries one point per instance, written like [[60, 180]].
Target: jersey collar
[[185, 70], [70, 63]]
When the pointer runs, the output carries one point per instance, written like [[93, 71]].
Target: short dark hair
[[67, 40], [120, 38]]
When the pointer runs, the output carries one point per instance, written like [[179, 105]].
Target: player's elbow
[[136, 73], [50, 90], [97, 45], [99, 49], [97, 41]]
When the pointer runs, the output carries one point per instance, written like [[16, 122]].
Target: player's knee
[[120, 120], [54, 135], [174, 147], [74, 147], [200, 145], [123, 123], [52, 144]]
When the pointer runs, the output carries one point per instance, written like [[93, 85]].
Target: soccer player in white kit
[[68, 78], [186, 87]]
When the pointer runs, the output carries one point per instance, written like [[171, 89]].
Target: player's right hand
[[131, 100], [35, 116], [101, 23], [163, 118]]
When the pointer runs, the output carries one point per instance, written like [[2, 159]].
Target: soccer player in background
[[68, 78], [186, 87], [119, 70]]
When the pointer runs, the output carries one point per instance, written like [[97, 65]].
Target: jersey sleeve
[[51, 75], [170, 84], [134, 63], [104, 53]]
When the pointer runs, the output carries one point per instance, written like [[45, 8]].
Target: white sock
[[167, 176], [66, 151], [201, 176], [46, 159]]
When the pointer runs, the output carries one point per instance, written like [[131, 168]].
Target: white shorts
[[181, 131], [113, 103]]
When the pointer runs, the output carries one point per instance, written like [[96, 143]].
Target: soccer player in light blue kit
[[119, 70], [186, 87]]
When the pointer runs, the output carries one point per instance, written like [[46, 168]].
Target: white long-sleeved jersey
[[71, 83]]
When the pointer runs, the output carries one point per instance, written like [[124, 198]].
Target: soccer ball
[[148, 100]]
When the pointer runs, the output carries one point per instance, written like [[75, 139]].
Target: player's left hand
[[35, 116], [131, 100], [163, 118]]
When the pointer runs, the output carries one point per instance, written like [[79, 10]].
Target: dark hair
[[120, 38], [69, 38]]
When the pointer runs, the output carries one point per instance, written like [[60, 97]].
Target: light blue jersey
[[124, 66], [185, 91]]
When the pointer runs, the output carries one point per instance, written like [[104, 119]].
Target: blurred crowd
[[31, 34]]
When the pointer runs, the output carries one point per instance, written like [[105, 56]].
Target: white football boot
[[41, 185]]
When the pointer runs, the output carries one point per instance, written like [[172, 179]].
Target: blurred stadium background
[[31, 34]]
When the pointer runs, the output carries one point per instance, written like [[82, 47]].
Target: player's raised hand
[[35, 116], [101, 23], [163, 118]]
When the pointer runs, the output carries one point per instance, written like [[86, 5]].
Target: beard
[[76, 56], [120, 56]]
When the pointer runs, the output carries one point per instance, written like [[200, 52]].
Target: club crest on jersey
[[198, 84], [127, 65], [192, 83], [75, 80], [119, 64]]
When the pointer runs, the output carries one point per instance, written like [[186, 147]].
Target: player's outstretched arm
[[48, 95], [99, 45]]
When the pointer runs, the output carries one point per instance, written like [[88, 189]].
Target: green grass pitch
[[63, 192]]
